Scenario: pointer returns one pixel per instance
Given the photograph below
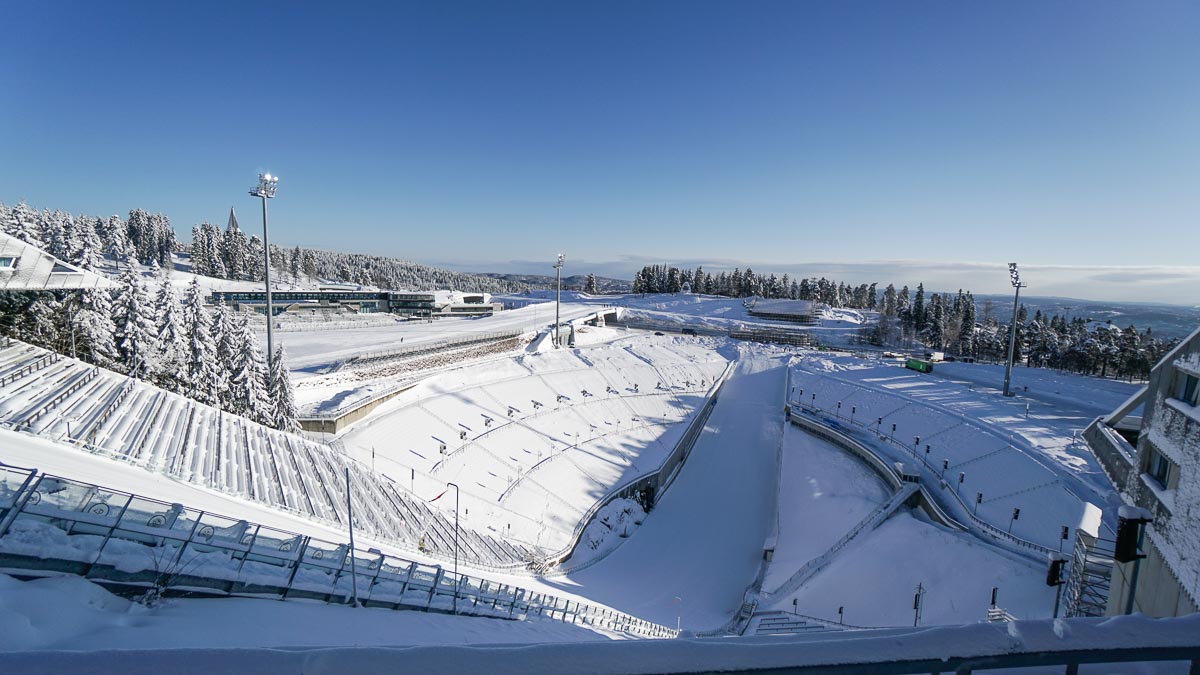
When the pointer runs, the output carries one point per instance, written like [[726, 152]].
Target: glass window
[[1160, 468], [1187, 388]]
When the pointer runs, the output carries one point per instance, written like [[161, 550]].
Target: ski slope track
[[703, 542]]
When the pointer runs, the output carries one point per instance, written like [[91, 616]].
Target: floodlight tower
[[557, 297], [267, 185], [1014, 276]]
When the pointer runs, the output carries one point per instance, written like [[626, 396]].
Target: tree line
[[228, 253], [84, 241], [950, 322], [739, 284]]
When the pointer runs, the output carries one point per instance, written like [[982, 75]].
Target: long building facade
[[1154, 462], [404, 303]]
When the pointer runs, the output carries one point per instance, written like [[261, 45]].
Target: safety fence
[[50, 524]]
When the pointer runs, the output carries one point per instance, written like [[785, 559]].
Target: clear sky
[[955, 136]]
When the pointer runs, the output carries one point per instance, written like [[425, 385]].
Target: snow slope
[[824, 492], [703, 542], [534, 441], [1016, 462]]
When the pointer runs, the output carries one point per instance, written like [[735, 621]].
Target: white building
[[1154, 461]]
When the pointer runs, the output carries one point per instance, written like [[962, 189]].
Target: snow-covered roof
[[27, 268]]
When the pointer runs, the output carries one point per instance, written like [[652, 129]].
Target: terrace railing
[[53, 525]]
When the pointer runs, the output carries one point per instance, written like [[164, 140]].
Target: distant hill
[[575, 282], [1168, 321]]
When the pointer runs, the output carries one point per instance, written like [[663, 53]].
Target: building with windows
[[362, 301], [1154, 462]]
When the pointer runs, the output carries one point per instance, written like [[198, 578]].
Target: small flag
[[440, 495]]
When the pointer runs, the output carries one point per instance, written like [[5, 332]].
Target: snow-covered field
[[532, 437]]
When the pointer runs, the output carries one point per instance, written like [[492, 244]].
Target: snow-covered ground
[[534, 436], [310, 351], [70, 625], [534, 440], [703, 542], [824, 492], [876, 577], [69, 613], [1029, 463]]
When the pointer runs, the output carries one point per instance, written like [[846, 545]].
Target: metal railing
[[51, 524], [1117, 457]]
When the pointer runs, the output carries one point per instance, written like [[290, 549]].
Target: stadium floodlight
[[1014, 277], [558, 298], [267, 184]]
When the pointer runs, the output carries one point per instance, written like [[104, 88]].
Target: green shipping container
[[919, 365]]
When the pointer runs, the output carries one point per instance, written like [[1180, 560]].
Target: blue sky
[[950, 136]]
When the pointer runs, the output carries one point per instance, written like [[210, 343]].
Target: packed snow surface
[[703, 542]]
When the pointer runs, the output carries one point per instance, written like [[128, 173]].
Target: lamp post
[[452, 485], [557, 296], [266, 190], [1014, 277], [678, 613]]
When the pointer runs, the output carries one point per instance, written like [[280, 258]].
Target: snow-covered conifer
[[135, 327], [41, 323], [23, 224], [283, 401], [170, 362], [92, 318], [249, 381], [203, 372], [225, 335]]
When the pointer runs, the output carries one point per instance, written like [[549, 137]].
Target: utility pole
[[558, 297], [1014, 276], [353, 564], [456, 579], [267, 184]]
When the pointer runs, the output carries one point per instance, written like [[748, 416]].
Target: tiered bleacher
[[109, 414]]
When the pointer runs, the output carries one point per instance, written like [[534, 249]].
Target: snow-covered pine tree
[[224, 335], [254, 259], [918, 309], [40, 325], [52, 234], [23, 224], [590, 287], [170, 364], [200, 355], [135, 327], [94, 328], [249, 382], [283, 402], [91, 249]]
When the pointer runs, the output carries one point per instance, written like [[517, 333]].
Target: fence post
[[295, 567], [108, 536], [23, 494], [249, 547]]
